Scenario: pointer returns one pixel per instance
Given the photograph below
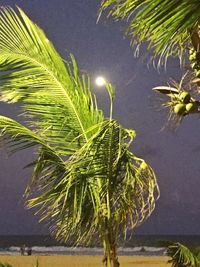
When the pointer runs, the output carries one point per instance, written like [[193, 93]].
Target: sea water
[[137, 245]]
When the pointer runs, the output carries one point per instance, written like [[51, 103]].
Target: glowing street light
[[100, 81]]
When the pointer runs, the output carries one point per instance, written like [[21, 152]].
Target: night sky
[[102, 49]]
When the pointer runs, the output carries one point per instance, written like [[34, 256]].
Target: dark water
[[160, 240], [134, 241], [30, 240]]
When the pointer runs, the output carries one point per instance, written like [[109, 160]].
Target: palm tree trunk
[[114, 258], [110, 252]]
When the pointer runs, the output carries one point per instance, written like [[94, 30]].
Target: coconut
[[191, 107], [180, 109], [185, 97]]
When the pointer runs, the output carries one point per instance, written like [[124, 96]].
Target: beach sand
[[83, 261]]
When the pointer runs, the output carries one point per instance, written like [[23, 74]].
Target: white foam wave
[[51, 250], [65, 249], [153, 249]]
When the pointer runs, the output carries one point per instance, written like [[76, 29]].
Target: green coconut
[[191, 107], [185, 97], [180, 109]]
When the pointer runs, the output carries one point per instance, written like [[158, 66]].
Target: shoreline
[[80, 251]]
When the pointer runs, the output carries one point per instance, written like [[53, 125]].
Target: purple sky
[[101, 49]]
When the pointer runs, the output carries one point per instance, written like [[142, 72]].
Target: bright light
[[100, 81]]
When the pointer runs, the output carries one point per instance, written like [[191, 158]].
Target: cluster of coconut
[[186, 104]]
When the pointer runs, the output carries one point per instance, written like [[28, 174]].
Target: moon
[[100, 81]]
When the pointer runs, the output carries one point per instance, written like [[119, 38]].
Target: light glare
[[100, 81]]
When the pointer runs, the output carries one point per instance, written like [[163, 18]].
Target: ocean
[[137, 245]]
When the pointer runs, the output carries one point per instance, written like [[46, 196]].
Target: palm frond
[[55, 99], [181, 256], [166, 24], [49, 167], [113, 181]]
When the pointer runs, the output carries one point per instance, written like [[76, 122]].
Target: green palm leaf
[[56, 101], [181, 256], [165, 24], [116, 187], [49, 167]]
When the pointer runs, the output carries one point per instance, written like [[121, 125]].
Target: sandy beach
[[83, 261]]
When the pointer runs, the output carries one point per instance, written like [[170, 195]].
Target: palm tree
[[168, 26], [86, 183]]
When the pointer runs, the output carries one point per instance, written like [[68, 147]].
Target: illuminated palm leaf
[[116, 187], [49, 167], [181, 256], [166, 90], [166, 24], [55, 100]]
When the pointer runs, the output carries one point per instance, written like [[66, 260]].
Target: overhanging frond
[[165, 24], [104, 182], [181, 256]]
